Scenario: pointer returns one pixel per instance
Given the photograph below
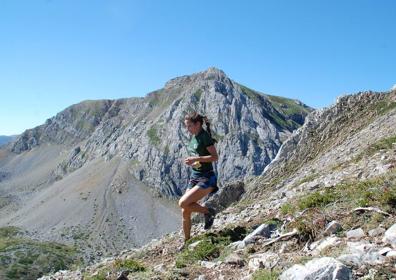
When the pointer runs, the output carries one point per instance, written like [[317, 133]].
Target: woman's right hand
[[190, 160]]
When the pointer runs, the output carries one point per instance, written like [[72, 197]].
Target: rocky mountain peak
[[249, 126]]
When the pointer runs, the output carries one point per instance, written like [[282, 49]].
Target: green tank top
[[197, 147]]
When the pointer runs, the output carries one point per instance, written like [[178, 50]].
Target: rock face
[[149, 132], [329, 138]]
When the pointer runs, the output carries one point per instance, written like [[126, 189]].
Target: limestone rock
[[323, 268]]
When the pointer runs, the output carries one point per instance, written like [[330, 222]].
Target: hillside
[[102, 176], [323, 209]]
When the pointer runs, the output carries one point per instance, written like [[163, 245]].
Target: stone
[[390, 236], [361, 252], [384, 251], [225, 196], [237, 245], [376, 232], [234, 259], [322, 268], [320, 245], [160, 268], [332, 227], [193, 245], [208, 264], [391, 254], [264, 230], [355, 234], [264, 260]]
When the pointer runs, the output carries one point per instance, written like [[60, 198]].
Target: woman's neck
[[198, 132]]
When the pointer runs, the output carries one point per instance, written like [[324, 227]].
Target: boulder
[[322, 268], [390, 236]]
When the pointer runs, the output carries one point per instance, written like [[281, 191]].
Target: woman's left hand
[[190, 160]]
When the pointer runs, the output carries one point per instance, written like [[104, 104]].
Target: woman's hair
[[194, 117]]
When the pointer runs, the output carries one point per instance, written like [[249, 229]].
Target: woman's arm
[[212, 157]]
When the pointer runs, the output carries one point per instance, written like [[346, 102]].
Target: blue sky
[[57, 53]]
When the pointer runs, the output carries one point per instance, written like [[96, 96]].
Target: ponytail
[[205, 118]]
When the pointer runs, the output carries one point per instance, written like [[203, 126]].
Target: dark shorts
[[203, 180]]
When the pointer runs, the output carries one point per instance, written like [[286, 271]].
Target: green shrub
[[210, 246], [153, 136], [287, 208], [265, 274], [129, 264], [317, 199]]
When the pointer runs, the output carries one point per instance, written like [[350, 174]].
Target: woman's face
[[193, 128]]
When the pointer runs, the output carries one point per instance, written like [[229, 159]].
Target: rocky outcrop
[[149, 132]]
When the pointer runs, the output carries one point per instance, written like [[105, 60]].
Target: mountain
[[103, 175], [6, 139], [149, 131], [325, 208]]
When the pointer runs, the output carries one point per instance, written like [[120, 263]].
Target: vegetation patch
[[23, 258], [130, 264], [210, 245], [152, 133], [197, 94], [265, 274], [382, 144], [313, 211]]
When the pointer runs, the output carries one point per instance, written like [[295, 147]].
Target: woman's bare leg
[[186, 223], [188, 203]]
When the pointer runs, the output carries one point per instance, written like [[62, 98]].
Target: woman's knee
[[183, 203]]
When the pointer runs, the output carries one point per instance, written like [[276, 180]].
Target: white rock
[[323, 268], [391, 254], [355, 234], [375, 232], [359, 253], [193, 245], [264, 230], [384, 251], [159, 268], [320, 245], [208, 264], [264, 260], [390, 236], [237, 245]]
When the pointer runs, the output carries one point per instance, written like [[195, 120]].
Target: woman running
[[203, 180]]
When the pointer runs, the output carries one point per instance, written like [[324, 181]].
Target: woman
[[203, 181]]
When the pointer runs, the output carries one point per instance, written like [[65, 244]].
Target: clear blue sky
[[57, 53]]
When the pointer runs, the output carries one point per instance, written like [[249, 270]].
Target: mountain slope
[[338, 168], [98, 174]]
